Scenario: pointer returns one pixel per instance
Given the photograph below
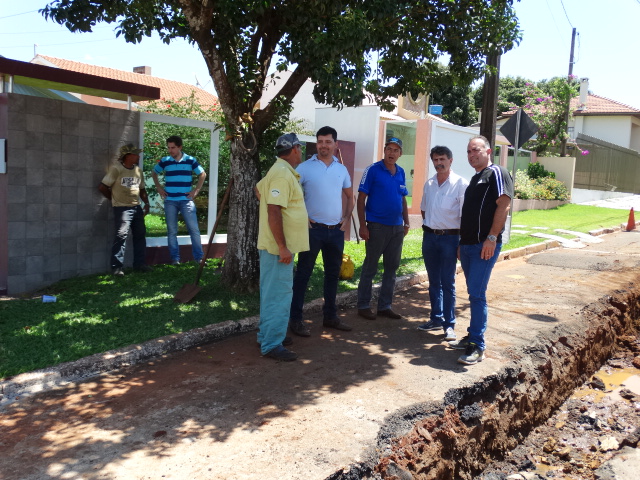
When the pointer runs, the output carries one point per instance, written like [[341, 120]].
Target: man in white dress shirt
[[441, 209]]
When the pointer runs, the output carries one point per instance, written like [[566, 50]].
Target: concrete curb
[[88, 367]]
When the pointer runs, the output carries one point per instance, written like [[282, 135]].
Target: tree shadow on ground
[[216, 391]]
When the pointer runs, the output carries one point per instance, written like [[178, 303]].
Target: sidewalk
[[221, 411]]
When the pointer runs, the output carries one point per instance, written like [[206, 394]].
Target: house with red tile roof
[[169, 89], [605, 119], [600, 118]]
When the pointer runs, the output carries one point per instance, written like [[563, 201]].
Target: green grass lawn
[[156, 226], [100, 312]]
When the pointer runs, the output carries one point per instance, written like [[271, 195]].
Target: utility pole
[[490, 100], [563, 144]]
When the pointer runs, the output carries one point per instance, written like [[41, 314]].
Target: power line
[[565, 13], [58, 44], [554, 18], [60, 30], [17, 14]]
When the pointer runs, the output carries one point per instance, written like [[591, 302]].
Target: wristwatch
[[492, 238]]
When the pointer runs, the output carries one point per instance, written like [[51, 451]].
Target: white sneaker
[[450, 335]]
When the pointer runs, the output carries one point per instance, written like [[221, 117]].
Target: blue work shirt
[[384, 193]]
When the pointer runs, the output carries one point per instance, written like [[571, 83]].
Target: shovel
[[190, 290]]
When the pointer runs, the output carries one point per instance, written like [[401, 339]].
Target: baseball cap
[[395, 140], [287, 141], [127, 149]]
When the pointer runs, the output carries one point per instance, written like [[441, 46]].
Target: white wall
[[563, 167], [635, 135], [613, 129], [355, 124], [304, 105], [456, 138]]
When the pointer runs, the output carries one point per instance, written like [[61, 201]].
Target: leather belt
[[450, 231], [322, 225]]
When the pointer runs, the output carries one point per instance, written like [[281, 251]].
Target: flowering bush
[[551, 188], [524, 188], [546, 103], [541, 188]]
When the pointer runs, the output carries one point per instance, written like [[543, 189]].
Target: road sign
[[521, 123]]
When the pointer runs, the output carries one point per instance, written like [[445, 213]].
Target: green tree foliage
[[330, 42], [457, 103], [511, 91]]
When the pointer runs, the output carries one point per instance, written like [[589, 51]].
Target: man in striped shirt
[[178, 196], [484, 212]]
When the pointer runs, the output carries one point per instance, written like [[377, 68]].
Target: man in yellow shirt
[[282, 233], [124, 186]]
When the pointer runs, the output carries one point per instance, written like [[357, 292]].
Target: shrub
[[541, 188], [556, 189], [523, 186], [537, 170]]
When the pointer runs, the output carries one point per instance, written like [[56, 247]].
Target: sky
[[606, 48]]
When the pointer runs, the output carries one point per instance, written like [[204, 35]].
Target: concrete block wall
[[58, 224]]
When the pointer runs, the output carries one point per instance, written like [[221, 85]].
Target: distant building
[[169, 89]]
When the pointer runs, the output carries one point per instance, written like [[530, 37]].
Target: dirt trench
[[475, 425]]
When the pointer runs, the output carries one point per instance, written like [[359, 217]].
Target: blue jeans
[[385, 241], [129, 219], [440, 254], [275, 300], [188, 210], [331, 243], [477, 272]]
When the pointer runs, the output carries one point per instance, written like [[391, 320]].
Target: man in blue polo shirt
[[325, 182], [178, 196], [384, 222]]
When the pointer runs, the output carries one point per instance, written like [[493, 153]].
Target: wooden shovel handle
[[213, 231]]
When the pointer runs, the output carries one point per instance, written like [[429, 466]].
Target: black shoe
[[366, 313], [281, 354], [143, 269], [285, 343], [389, 314], [337, 324], [300, 329], [118, 272], [175, 262]]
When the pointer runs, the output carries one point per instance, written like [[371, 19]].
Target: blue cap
[[395, 140]]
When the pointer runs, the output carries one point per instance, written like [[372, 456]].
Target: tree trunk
[[241, 267]]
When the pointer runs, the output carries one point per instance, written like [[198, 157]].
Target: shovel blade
[[187, 293]]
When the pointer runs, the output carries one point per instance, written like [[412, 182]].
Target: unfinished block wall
[[56, 223]]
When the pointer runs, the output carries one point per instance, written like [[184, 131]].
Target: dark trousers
[[384, 241], [331, 243], [129, 219]]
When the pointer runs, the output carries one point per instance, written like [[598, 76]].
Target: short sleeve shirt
[[178, 175], [384, 193], [322, 188], [281, 187], [480, 206], [442, 204], [125, 185]]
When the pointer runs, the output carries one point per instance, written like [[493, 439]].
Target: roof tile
[[169, 89]]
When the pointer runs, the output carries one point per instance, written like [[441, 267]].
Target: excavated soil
[[509, 415], [599, 419]]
